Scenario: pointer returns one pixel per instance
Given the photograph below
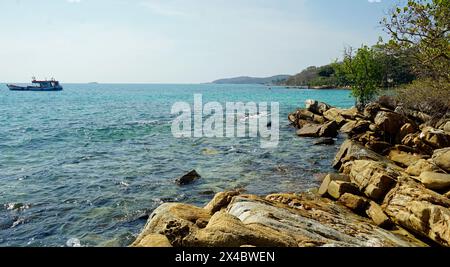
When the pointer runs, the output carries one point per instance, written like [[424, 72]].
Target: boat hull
[[33, 88]]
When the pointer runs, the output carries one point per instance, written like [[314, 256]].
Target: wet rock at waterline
[[188, 178]]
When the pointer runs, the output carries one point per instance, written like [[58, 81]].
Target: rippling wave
[[86, 166]]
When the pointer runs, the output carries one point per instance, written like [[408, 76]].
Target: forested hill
[[314, 77], [252, 80]]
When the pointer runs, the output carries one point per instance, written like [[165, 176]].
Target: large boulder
[[338, 188], [220, 200], [420, 210], [329, 129], [354, 202], [376, 213], [351, 150], [435, 181], [390, 122], [316, 106], [323, 190], [420, 166], [355, 127], [402, 158], [373, 178], [281, 220], [334, 114], [175, 221], [309, 130], [442, 158], [351, 114]]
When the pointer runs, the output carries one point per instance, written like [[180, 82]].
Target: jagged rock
[[337, 188], [420, 166], [406, 129], [319, 119], [420, 210], [277, 221], [323, 190], [403, 159], [376, 213], [390, 122], [329, 129], [292, 118], [154, 241], [303, 114], [226, 230], [325, 141], [441, 158], [175, 221], [447, 195], [374, 179], [316, 130], [435, 181], [351, 150], [188, 178], [316, 106], [356, 203], [350, 114], [334, 114], [309, 130], [355, 127], [220, 200], [316, 222], [435, 138]]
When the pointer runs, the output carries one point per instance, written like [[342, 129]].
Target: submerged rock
[[188, 178], [325, 141]]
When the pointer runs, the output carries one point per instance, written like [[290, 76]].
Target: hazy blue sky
[[178, 41]]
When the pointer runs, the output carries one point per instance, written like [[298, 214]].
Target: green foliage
[[422, 29], [430, 96], [363, 71], [315, 77]]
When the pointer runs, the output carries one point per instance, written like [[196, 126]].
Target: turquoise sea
[[87, 165]]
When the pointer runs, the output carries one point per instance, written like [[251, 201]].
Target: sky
[[178, 41]]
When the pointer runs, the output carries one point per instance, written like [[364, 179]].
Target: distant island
[[278, 79]]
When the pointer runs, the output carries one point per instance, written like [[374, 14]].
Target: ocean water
[[87, 165]]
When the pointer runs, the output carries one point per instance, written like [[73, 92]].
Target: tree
[[422, 27], [362, 71]]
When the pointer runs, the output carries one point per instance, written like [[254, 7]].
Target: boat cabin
[[46, 84]]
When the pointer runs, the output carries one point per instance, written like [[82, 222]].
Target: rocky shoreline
[[392, 189]]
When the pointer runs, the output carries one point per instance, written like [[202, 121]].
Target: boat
[[51, 85]]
